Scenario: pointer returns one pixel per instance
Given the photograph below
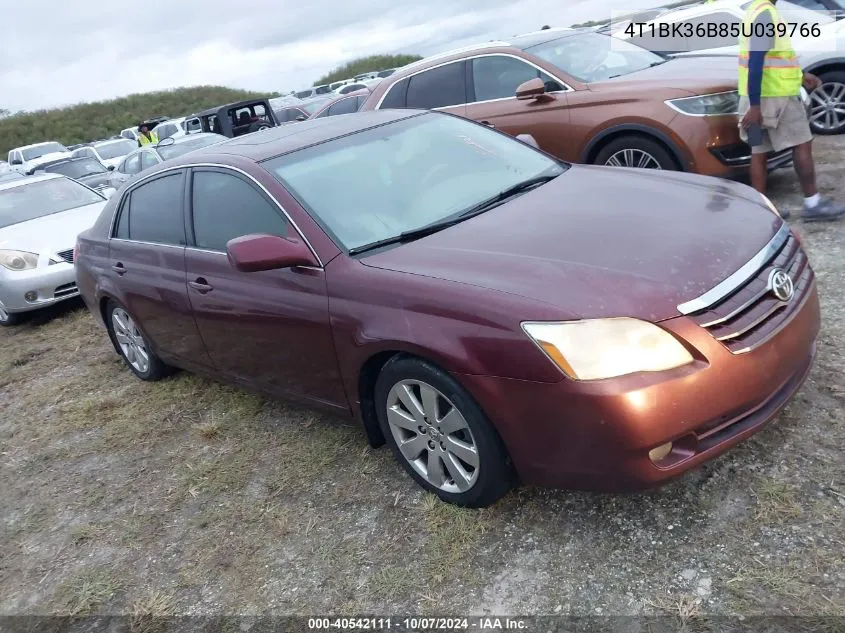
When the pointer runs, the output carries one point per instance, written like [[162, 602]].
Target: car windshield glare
[[399, 177], [44, 197], [116, 149], [593, 57], [43, 149], [189, 145], [77, 168]]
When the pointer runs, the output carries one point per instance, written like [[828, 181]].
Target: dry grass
[[84, 592], [148, 613]]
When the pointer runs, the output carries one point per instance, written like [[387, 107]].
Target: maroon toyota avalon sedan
[[494, 314]]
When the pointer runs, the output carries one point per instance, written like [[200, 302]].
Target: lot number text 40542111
[[417, 623]]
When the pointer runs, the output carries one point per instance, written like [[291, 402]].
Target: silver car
[[152, 155], [40, 217]]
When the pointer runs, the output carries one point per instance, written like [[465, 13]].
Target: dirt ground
[[191, 497]]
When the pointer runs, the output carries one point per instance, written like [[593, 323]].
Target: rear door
[[493, 80], [147, 266], [270, 328]]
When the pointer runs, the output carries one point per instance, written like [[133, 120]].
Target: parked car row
[[433, 262]]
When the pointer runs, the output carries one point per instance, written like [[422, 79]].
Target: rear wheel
[[132, 346], [637, 152], [827, 104], [440, 435]]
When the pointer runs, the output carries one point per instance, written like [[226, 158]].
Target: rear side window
[[395, 97], [155, 211], [346, 106], [438, 88], [224, 207]]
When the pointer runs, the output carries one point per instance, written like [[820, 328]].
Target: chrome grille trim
[[740, 277], [66, 256]]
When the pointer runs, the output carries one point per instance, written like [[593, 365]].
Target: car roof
[[59, 161], [27, 180], [284, 139], [22, 147]]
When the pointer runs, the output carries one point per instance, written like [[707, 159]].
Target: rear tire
[[636, 152], [832, 92], [132, 346], [459, 456]]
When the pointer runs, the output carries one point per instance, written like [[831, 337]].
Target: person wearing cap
[[145, 135]]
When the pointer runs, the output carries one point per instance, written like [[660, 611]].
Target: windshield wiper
[[477, 209]]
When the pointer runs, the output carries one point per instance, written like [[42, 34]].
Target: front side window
[[193, 125], [44, 197], [438, 88], [148, 159], [155, 211], [405, 175], [225, 206], [131, 165], [498, 77], [593, 57]]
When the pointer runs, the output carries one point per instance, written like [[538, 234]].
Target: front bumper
[[597, 435], [51, 284]]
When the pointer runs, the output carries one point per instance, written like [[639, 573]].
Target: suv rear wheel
[[637, 152]]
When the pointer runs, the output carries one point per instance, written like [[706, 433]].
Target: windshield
[[116, 149], [593, 57], [804, 12], [405, 175], [40, 150], [37, 199], [77, 168], [183, 147], [312, 106]]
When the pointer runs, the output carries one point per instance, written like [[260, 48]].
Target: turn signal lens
[[657, 454]]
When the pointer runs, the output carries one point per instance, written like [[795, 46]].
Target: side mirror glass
[[301, 117], [110, 167], [254, 253], [531, 89]]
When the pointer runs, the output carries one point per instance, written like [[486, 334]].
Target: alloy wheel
[[130, 340], [433, 436], [827, 106], [633, 158]]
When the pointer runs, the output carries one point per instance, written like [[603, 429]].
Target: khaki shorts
[[785, 123]]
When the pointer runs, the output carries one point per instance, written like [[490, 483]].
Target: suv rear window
[[438, 88]]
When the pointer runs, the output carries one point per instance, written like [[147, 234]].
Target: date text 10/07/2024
[[415, 624]]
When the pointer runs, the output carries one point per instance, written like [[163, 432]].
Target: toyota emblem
[[780, 284]]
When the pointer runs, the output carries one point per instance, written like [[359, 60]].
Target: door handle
[[200, 285], [487, 123], [119, 269]]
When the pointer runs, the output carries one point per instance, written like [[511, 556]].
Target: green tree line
[[90, 121], [366, 64]]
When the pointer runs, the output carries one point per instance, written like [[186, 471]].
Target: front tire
[[132, 346], [827, 104], [440, 435], [637, 152]]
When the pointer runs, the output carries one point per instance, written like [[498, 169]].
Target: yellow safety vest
[[782, 75], [143, 140]]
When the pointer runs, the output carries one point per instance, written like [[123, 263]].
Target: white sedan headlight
[[18, 260], [606, 348]]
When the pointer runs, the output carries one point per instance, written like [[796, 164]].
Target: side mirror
[[253, 253], [528, 140], [531, 89], [301, 117], [110, 167]]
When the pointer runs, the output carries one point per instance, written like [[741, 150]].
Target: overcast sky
[[58, 52]]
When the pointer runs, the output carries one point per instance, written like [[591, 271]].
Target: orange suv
[[586, 97]]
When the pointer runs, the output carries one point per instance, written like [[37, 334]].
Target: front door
[[495, 79], [147, 267], [268, 328]]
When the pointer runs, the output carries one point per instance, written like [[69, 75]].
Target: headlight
[[707, 105], [605, 348], [771, 205], [18, 260]]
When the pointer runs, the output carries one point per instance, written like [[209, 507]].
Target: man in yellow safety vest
[[772, 114], [145, 135]]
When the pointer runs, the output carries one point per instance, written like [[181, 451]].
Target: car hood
[[686, 76], [52, 233], [601, 242], [46, 158]]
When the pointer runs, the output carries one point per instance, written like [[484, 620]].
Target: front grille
[[752, 314], [65, 290], [66, 255]]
